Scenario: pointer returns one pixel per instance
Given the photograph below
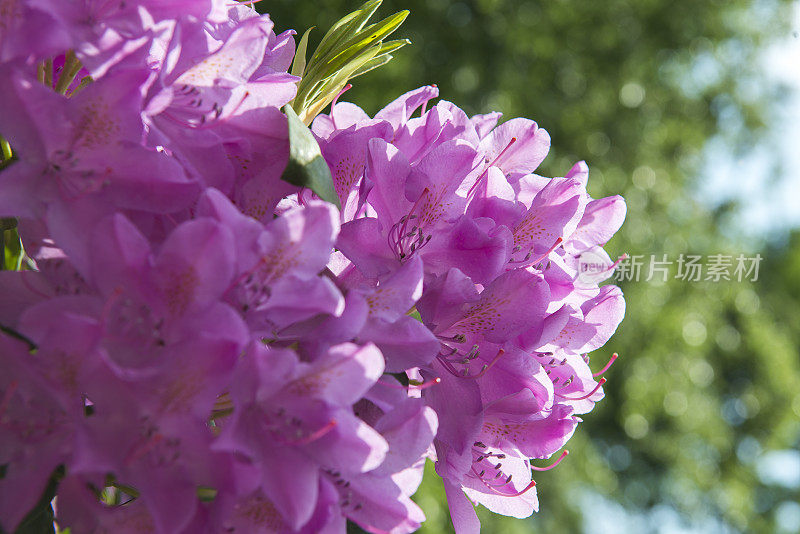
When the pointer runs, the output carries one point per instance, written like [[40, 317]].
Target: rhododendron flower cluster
[[200, 346]]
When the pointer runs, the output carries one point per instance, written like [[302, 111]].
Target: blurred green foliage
[[709, 375]]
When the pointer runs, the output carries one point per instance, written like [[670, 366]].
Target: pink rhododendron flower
[[200, 346]]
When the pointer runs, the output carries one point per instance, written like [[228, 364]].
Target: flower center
[[406, 235]]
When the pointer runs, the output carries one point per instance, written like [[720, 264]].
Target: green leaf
[[40, 519], [401, 377], [344, 29], [329, 89], [13, 250], [383, 56], [299, 63], [306, 167], [5, 148], [358, 43], [326, 91], [392, 46], [379, 30], [353, 528], [372, 64], [206, 493], [350, 48], [10, 245]]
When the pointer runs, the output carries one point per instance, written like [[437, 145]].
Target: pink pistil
[[551, 249], [109, 304], [23, 276], [143, 449], [489, 365], [616, 263], [598, 386], [549, 467], [492, 164], [314, 435], [336, 98], [12, 387], [606, 366]]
